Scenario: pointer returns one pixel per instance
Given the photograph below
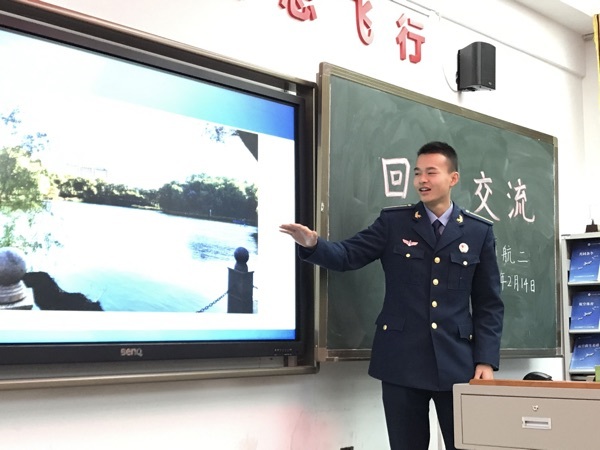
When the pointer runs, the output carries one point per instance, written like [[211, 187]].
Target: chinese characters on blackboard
[[520, 198]]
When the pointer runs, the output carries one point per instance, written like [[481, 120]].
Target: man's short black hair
[[443, 149]]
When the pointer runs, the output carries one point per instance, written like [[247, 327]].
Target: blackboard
[[370, 133]]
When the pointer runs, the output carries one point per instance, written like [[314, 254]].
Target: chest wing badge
[[409, 243]]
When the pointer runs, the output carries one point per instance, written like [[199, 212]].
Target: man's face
[[434, 180]]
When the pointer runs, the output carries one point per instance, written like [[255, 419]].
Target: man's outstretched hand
[[303, 235]]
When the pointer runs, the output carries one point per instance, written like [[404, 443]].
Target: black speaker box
[[476, 67]]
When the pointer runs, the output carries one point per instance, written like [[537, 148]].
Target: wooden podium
[[528, 415]]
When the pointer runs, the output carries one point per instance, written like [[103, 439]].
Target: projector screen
[[140, 200]]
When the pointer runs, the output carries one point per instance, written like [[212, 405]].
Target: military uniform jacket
[[442, 312]]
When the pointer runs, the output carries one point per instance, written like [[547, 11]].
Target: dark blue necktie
[[437, 225]]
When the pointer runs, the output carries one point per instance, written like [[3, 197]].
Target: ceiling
[[566, 12]]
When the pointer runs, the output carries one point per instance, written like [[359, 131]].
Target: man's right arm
[[348, 254], [303, 235]]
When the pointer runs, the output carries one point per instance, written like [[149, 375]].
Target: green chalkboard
[[370, 133]]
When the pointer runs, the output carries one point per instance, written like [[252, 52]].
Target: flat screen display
[[140, 202]]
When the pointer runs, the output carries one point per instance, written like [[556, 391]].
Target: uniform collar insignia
[[459, 219], [417, 215]]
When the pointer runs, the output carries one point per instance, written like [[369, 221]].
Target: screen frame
[[73, 29]]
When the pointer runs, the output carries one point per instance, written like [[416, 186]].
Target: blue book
[[585, 312], [586, 354], [585, 261]]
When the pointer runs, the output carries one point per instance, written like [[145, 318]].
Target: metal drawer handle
[[537, 423]]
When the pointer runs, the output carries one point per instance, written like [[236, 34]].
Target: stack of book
[[585, 262], [585, 312], [586, 354]]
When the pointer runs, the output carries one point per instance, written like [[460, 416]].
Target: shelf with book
[[580, 291]]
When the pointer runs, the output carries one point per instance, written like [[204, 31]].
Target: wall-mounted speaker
[[476, 67]]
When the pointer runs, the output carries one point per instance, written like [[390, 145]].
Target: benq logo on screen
[[132, 351]]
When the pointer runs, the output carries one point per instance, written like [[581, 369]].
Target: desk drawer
[[533, 423]]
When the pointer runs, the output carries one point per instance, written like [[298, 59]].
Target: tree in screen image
[[24, 186]]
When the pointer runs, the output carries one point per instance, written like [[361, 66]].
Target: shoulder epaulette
[[478, 217], [398, 207]]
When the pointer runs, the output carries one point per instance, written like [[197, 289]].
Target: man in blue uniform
[[441, 320]]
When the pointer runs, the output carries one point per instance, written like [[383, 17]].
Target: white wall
[[591, 129], [338, 407], [545, 75]]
